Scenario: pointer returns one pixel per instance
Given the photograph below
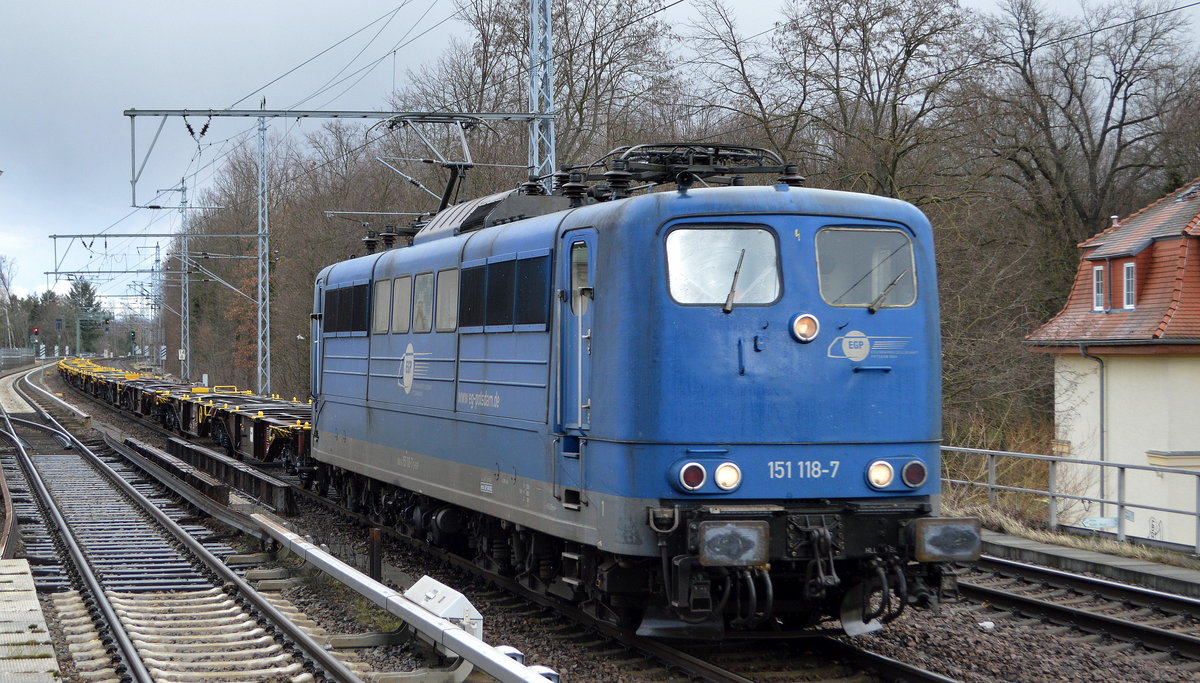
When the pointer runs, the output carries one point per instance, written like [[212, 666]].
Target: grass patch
[[364, 612], [997, 518]]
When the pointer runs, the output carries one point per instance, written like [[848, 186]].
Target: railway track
[[142, 594], [777, 658], [1165, 626]]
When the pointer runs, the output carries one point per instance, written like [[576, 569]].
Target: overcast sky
[[69, 69]]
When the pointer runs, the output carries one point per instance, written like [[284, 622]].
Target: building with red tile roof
[[1127, 363]]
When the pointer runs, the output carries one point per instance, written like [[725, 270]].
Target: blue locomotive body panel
[[614, 360]]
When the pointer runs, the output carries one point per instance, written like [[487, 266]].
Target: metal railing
[[1055, 492]]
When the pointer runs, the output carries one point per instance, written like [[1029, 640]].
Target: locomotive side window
[[346, 309], [447, 301], [501, 286], [579, 278], [533, 291], [470, 296], [383, 305], [359, 295], [707, 265], [423, 303], [866, 268], [505, 294], [401, 303]]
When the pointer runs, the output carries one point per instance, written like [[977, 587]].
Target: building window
[[1098, 288], [1129, 286]]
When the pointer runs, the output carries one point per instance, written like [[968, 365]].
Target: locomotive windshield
[[869, 267], [702, 263]]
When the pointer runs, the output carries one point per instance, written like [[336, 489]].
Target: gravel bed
[[957, 645]]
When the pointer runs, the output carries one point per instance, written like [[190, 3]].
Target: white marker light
[[728, 476], [880, 474]]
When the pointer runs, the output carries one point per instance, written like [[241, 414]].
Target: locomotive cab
[[777, 402]]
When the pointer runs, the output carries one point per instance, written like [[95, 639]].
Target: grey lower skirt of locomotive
[[756, 567]]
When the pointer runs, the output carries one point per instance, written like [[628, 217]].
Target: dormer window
[[1098, 288], [1129, 285]]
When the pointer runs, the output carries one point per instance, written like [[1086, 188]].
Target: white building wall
[[1150, 405]]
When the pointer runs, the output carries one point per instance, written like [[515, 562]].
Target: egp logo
[[857, 346], [853, 345], [408, 364]]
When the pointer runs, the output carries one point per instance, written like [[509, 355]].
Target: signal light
[[692, 476], [914, 473], [35, 331]]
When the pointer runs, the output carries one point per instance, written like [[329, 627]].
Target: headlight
[[914, 473], [880, 474], [692, 476], [728, 476], [805, 327]]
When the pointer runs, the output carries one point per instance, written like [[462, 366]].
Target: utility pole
[[185, 323], [541, 92], [185, 304], [264, 268]]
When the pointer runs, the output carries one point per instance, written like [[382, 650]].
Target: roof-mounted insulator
[[388, 236], [370, 241], [684, 180], [618, 179], [561, 177], [531, 187], [791, 176], [1116, 221], [574, 189]]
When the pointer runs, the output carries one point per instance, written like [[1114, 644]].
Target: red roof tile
[[1175, 214], [1161, 240]]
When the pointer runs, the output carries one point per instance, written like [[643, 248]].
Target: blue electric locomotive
[[694, 409]]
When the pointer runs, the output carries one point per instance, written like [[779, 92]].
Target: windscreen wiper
[[883, 295], [728, 307]]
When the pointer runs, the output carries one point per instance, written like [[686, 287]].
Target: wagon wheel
[[286, 455], [220, 435], [170, 419]]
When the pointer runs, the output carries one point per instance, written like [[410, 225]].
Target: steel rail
[[9, 530], [1150, 636], [1106, 588], [126, 649], [315, 651]]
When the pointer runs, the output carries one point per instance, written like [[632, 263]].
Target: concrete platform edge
[[1166, 578]]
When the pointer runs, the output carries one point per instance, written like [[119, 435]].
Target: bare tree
[[1080, 107], [881, 82], [8, 270], [753, 100]]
